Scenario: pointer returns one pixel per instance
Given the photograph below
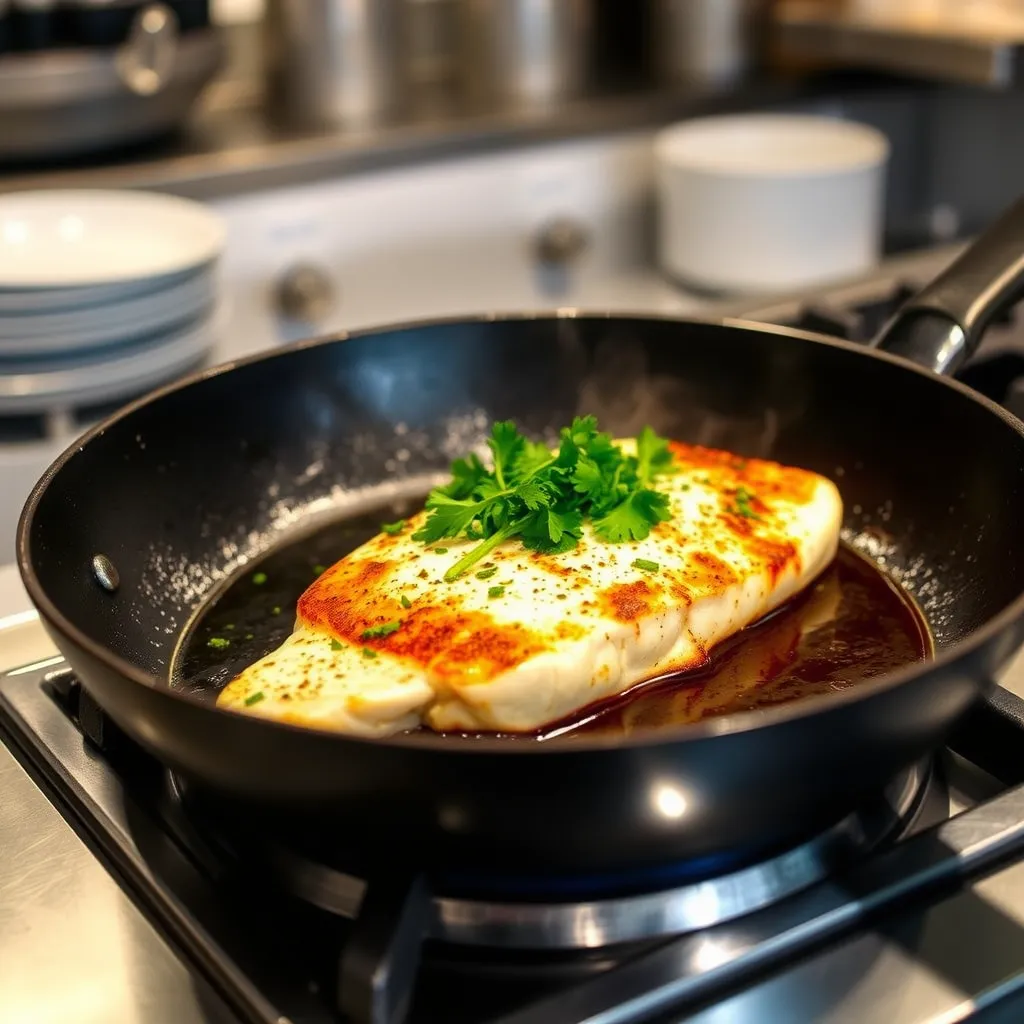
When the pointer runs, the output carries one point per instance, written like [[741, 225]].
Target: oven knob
[[561, 241], [304, 292]]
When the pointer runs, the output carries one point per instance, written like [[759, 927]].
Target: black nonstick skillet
[[179, 488]]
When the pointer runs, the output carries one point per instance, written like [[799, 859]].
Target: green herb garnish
[[646, 564], [259, 578], [218, 643], [248, 636], [440, 551], [543, 498], [319, 569], [336, 644], [369, 652], [276, 610], [496, 591], [375, 632], [406, 603], [253, 698], [486, 574], [393, 528], [743, 505]]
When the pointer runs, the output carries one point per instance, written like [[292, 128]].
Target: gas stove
[[911, 910], [278, 939]]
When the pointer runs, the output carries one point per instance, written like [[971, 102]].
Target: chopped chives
[[375, 632], [646, 565]]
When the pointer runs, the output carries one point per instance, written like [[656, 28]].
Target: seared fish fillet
[[566, 631]]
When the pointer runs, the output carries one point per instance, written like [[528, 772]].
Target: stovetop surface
[[955, 927]]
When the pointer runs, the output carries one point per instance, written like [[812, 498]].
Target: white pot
[[762, 202]]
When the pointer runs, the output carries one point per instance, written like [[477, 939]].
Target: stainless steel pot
[[334, 62], [432, 42], [70, 100], [706, 43], [525, 53]]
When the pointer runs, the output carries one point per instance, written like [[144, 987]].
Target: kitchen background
[[373, 161], [382, 161]]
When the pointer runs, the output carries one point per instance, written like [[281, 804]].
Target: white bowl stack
[[103, 295]]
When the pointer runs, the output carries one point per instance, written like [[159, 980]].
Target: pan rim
[[738, 722]]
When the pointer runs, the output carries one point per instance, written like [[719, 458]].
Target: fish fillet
[[566, 630]]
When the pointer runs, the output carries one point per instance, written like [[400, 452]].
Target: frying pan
[[190, 484]]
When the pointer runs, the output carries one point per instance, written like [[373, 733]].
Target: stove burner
[[587, 923]]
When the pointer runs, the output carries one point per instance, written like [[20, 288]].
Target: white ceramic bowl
[[766, 202], [64, 332], [112, 374], [93, 237]]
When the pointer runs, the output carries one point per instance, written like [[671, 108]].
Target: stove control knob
[[305, 293], [561, 241]]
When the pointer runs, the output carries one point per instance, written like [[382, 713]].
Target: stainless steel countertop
[[73, 947], [932, 967]]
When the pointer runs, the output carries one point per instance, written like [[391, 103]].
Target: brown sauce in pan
[[852, 624]]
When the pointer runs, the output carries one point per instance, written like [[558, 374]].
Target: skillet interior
[[182, 490]]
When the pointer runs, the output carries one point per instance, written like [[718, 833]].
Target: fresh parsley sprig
[[543, 498]]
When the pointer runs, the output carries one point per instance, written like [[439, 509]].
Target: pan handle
[[989, 735], [942, 325]]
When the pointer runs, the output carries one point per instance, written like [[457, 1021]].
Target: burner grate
[[859, 321], [553, 918], [855, 313]]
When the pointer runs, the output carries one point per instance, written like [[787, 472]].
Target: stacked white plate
[[103, 295]]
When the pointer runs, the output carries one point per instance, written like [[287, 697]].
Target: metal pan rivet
[[105, 572]]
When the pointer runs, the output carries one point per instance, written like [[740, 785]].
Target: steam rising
[[627, 396]]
